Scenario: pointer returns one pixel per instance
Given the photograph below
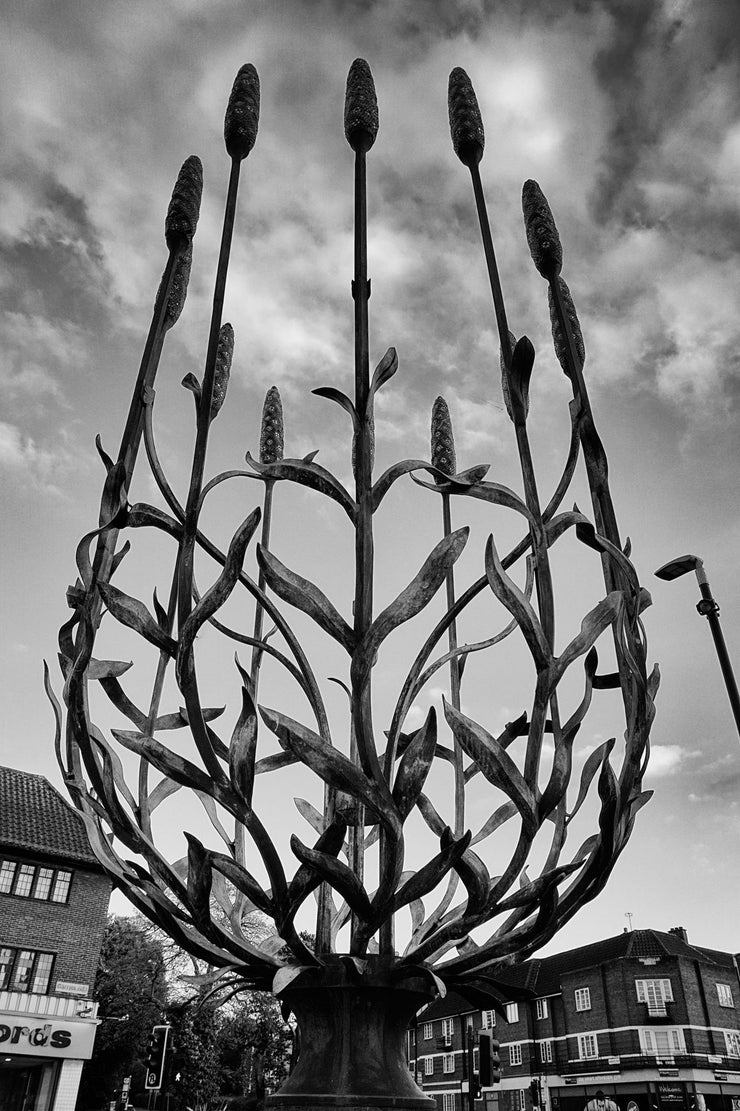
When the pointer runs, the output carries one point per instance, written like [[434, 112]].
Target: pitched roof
[[35, 818]]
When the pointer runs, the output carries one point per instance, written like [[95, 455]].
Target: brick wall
[[72, 930]]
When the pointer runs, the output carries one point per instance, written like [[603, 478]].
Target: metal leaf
[[593, 625], [415, 764], [306, 878], [428, 812], [243, 748], [590, 768], [243, 881], [307, 473], [107, 669], [335, 873], [417, 594], [340, 398], [518, 605], [134, 614], [332, 766], [493, 760], [384, 371], [427, 877], [502, 814], [305, 596], [311, 814]]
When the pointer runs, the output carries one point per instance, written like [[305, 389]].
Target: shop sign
[[720, 1076], [59, 1038], [671, 1093], [66, 987]]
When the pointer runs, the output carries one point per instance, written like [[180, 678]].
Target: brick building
[[647, 1020], [53, 905]]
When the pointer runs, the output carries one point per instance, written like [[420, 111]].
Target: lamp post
[[708, 608]]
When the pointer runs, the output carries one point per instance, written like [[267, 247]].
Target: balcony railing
[[47, 1006]]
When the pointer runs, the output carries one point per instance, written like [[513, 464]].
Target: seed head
[[558, 338], [272, 432], [184, 208], [443, 441], [542, 235], [221, 374], [360, 107], [242, 113], [179, 287], [466, 125]]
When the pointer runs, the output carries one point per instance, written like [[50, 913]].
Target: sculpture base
[[353, 1038]]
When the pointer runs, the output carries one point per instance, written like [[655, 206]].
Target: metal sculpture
[[374, 777]]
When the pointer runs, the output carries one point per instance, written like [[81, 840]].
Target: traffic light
[[490, 1062], [534, 1091], [156, 1051]]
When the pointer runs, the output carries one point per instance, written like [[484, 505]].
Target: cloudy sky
[[628, 115]]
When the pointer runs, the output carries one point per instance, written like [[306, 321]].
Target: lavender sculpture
[[354, 990]]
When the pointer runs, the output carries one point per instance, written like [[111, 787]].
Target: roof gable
[[35, 818]]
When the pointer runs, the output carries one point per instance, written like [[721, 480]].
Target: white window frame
[[448, 1029], [587, 1042], [724, 995], [448, 1101], [512, 1012], [540, 1008], [546, 1051], [656, 993], [488, 1020], [583, 999], [732, 1043], [428, 1031], [429, 1066], [448, 1062], [515, 1053], [522, 1099], [649, 1044]]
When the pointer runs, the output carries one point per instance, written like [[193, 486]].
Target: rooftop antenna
[[628, 915]]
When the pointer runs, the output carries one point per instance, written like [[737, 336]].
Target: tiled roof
[[542, 976], [35, 818]]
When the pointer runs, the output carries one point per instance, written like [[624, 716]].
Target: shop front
[[720, 1093], [41, 1060]]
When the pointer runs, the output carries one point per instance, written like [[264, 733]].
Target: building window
[[448, 1026], [488, 1020], [448, 1062], [522, 1099], [512, 1012], [30, 881], [476, 1059], [428, 1031], [469, 1023], [25, 970], [448, 1101], [588, 1046], [662, 1042], [583, 999], [540, 1008], [546, 1052], [7, 873], [724, 994], [515, 1053], [656, 993], [429, 1066], [732, 1041]]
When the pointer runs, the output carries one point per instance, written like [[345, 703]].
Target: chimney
[[680, 931]]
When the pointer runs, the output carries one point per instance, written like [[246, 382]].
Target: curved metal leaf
[[307, 473], [134, 614], [493, 760], [415, 764], [336, 874], [340, 398], [384, 371], [593, 625], [427, 877], [518, 605], [243, 748], [305, 596]]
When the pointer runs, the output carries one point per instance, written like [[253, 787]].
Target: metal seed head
[[542, 235], [443, 441], [360, 107], [221, 374], [558, 338], [179, 287], [242, 113], [466, 125], [184, 208], [272, 432]]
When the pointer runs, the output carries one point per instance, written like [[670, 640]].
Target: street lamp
[[708, 608]]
